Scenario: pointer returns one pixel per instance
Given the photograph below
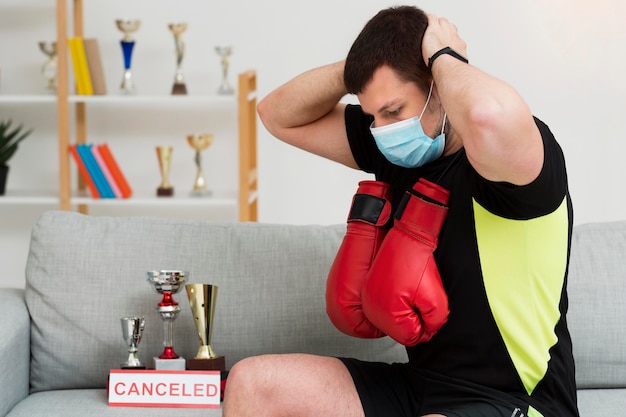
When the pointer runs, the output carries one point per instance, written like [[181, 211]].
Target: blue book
[[96, 173]]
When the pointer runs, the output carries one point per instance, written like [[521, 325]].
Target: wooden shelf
[[245, 198], [71, 113]]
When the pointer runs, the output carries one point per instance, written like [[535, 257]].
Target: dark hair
[[392, 37]]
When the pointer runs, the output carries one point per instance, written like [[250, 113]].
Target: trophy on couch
[[202, 299], [168, 283], [132, 329]]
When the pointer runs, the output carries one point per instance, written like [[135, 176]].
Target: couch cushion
[[93, 402], [84, 273], [601, 402], [597, 308]]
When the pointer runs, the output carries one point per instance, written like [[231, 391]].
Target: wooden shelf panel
[[145, 199], [51, 197], [27, 98], [155, 99], [28, 197]]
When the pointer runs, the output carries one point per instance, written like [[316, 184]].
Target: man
[[464, 174]]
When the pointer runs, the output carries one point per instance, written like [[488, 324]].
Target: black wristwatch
[[449, 51]]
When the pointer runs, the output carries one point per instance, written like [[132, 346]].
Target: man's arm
[[306, 113], [495, 124]]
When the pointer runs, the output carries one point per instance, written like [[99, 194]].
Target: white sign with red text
[[148, 388]]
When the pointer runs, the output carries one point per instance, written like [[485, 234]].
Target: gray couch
[[61, 335]]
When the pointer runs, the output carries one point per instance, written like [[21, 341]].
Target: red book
[[115, 170], [84, 172]]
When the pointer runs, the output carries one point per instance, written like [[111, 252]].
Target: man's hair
[[392, 37]]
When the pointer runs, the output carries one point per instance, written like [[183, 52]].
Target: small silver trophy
[[132, 330], [168, 283], [127, 26], [225, 52], [49, 68], [177, 30], [199, 142]]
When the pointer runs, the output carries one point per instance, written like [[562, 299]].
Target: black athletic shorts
[[401, 390]]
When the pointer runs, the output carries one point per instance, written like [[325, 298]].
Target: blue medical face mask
[[405, 144]]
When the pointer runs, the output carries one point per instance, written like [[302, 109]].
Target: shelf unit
[[246, 198]]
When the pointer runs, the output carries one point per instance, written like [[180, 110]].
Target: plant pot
[[4, 172]]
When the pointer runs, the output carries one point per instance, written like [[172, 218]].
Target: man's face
[[390, 99]]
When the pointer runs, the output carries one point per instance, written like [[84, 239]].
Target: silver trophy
[[49, 68], [127, 26], [167, 283], [199, 142], [225, 52], [177, 30], [132, 330]]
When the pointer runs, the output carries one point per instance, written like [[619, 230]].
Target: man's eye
[[394, 112]]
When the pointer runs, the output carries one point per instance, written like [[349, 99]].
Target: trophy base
[[169, 364], [205, 193], [179, 89], [226, 90], [214, 364], [132, 367], [165, 192]]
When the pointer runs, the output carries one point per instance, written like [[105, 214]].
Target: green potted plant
[[9, 139]]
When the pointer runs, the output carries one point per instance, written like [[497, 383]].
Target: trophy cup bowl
[[177, 29], [164, 155], [127, 26], [167, 283], [49, 68], [202, 300], [225, 52], [132, 330], [199, 142]]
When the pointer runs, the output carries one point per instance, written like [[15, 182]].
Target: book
[[84, 150], [94, 65], [115, 170], [84, 172], [79, 64], [105, 171]]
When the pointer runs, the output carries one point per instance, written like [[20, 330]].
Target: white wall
[[566, 57]]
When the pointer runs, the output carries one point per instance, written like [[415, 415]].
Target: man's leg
[[291, 385]]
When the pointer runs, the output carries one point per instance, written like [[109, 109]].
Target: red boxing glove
[[370, 211], [403, 294]]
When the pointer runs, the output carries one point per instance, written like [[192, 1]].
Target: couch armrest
[[14, 349]]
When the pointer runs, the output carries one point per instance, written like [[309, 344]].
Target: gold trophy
[[177, 30], [164, 154], [202, 299], [49, 68], [199, 142]]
